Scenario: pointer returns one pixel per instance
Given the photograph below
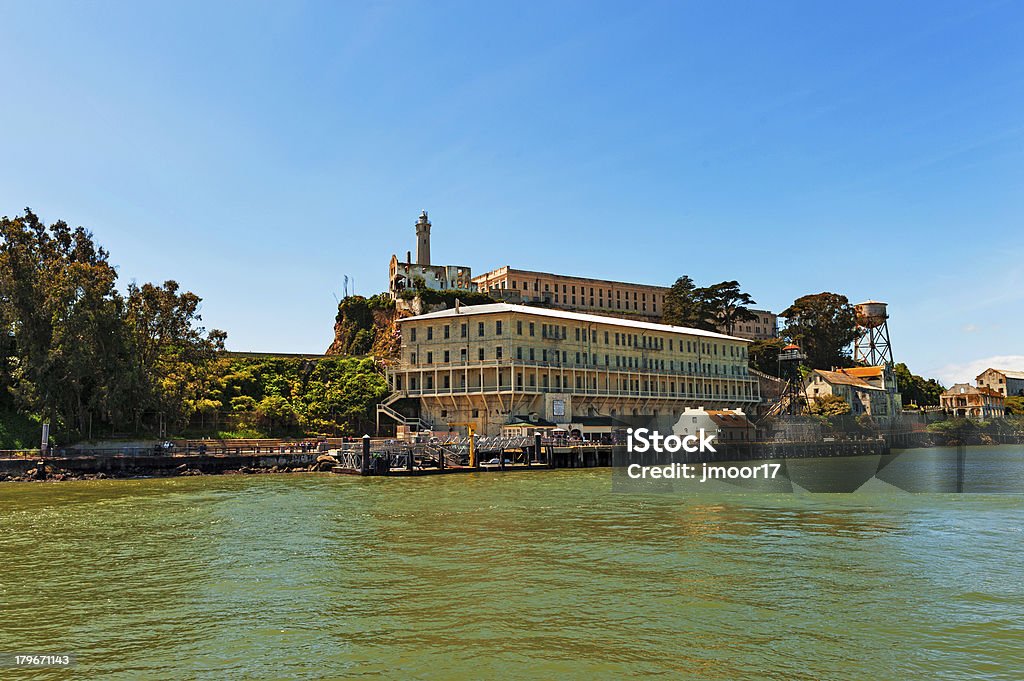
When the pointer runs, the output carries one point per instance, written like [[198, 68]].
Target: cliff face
[[366, 326]]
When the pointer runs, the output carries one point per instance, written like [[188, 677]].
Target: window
[[463, 354], [430, 333], [430, 358], [465, 330], [519, 327], [532, 328], [412, 334], [480, 329], [412, 358], [498, 352], [447, 331], [447, 355], [480, 353], [497, 328]]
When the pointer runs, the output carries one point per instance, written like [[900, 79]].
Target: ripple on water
[[477, 576]]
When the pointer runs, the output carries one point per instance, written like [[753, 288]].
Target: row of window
[[582, 335], [582, 383], [585, 359]]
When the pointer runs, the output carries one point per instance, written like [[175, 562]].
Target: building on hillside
[[765, 325], [578, 294], [484, 364], [420, 273], [599, 296], [729, 425], [858, 393], [1003, 381], [883, 377], [966, 401]]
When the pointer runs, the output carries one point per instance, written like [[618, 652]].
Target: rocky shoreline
[[52, 471]]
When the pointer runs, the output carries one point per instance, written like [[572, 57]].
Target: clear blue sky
[[257, 152]]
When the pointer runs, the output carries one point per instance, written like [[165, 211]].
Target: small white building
[[729, 425]]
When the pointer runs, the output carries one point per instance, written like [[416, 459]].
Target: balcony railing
[[599, 392], [516, 362]]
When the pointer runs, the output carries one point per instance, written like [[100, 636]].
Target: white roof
[[496, 308]]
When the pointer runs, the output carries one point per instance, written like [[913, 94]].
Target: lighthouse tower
[[423, 239]]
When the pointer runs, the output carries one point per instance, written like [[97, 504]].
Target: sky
[[257, 153]]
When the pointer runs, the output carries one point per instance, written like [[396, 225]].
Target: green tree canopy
[[915, 389], [719, 306], [824, 326], [828, 405]]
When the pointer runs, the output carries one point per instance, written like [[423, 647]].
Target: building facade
[[419, 272], [600, 296], [966, 401], [487, 363], [578, 294], [728, 425], [1003, 381], [872, 397]]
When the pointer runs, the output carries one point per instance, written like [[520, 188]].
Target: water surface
[[544, 574]]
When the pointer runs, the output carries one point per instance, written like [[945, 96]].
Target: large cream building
[[599, 296], [488, 364], [573, 293]]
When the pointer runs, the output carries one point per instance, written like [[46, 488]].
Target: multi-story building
[[486, 364], [1006, 383], [763, 326], [578, 294], [408, 274], [868, 390], [964, 400], [599, 296]]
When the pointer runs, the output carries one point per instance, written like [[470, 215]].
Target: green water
[[517, 575]]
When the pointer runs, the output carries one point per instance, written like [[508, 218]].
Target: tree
[[1015, 405], [764, 355], [685, 306], [171, 352], [824, 326], [275, 413], [61, 311], [729, 305], [915, 389], [828, 405]]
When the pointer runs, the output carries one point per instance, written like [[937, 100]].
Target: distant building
[[1006, 383], [729, 425], [599, 296], [576, 294], [966, 401], [763, 327], [409, 274], [485, 364], [865, 389]]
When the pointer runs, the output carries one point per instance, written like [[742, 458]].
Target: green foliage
[[1015, 405], [721, 305], [764, 355], [432, 297], [333, 395], [824, 326], [915, 389], [82, 356], [18, 431], [828, 405], [355, 329]]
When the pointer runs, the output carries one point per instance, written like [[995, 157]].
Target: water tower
[[872, 344]]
